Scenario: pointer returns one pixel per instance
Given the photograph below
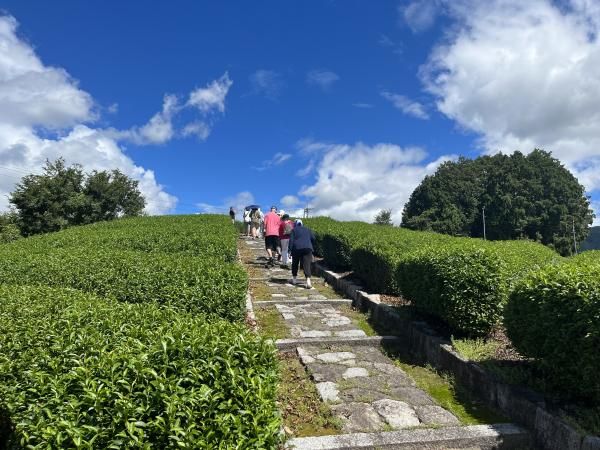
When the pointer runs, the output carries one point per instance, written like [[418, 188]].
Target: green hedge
[[203, 235], [466, 282], [553, 315], [205, 285], [80, 371], [376, 259]]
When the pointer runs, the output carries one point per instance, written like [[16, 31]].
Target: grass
[[450, 396], [476, 349], [260, 291], [360, 319], [271, 324], [304, 414]]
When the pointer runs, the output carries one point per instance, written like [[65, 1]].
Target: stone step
[[302, 301], [286, 345], [498, 436]]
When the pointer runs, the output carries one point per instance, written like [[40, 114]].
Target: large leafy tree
[[63, 196], [522, 196]]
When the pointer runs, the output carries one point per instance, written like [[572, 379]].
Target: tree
[[384, 217], [63, 196], [524, 197]]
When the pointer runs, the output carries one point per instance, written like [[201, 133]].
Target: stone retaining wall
[[520, 404]]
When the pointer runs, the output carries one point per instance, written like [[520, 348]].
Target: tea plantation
[[130, 334]]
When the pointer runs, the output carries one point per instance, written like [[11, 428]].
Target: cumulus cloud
[[277, 159], [322, 78], [419, 15], [197, 128], [211, 97], [267, 83], [289, 201], [36, 97], [524, 75], [239, 201], [406, 105], [354, 182]]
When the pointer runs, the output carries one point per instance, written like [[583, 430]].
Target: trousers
[[304, 255]]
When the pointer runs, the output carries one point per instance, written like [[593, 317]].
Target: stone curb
[[520, 404], [267, 303], [287, 345], [500, 436]]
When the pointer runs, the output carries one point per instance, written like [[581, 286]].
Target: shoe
[[308, 284], [292, 281]]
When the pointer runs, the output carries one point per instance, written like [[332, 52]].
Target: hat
[[298, 222]]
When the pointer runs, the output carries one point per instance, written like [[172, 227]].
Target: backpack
[[287, 228], [256, 216]]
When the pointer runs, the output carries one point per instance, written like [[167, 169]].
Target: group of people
[[285, 239]]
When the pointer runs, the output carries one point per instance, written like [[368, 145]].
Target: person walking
[[272, 222], [247, 222], [255, 218], [285, 229], [302, 241], [232, 214]]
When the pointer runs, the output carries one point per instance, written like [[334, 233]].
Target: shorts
[[272, 242]]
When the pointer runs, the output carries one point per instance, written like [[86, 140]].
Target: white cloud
[[524, 75], [239, 201], [419, 15], [322, 78], [596, 207], [33, 97], [113, 109], [32, 94], [211, 97], [289, 201], [197, 128], [277, 159], [406, 105], [159, 128], [267, 83], [354, 182]]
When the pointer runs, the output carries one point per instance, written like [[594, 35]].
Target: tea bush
[[466, 282], [195, 284], [81, 371], [205, 235], [553, 315]]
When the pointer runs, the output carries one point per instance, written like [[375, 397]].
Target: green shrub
[[466, 282], [553, 315], [80, 371], [205, 285], [376, 259], [203, 235], [319, 226]]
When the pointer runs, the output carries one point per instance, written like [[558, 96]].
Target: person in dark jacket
[[302, 240]]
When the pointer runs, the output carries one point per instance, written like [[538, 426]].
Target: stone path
[[363, 386]]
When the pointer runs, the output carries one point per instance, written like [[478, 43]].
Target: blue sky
[[341, 105]]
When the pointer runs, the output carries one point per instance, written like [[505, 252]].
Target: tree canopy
[[522, 196], [63, 196], [383, 217]]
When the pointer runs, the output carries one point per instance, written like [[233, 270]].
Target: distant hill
[[593, 240]]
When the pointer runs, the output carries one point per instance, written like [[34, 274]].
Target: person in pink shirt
[[272, 222], [285, 229]]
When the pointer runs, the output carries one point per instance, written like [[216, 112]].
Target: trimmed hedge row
[[206, 235], [80, 371], [466, 282], [204, 285], [181, 260], [553, 315], [463, 281]]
